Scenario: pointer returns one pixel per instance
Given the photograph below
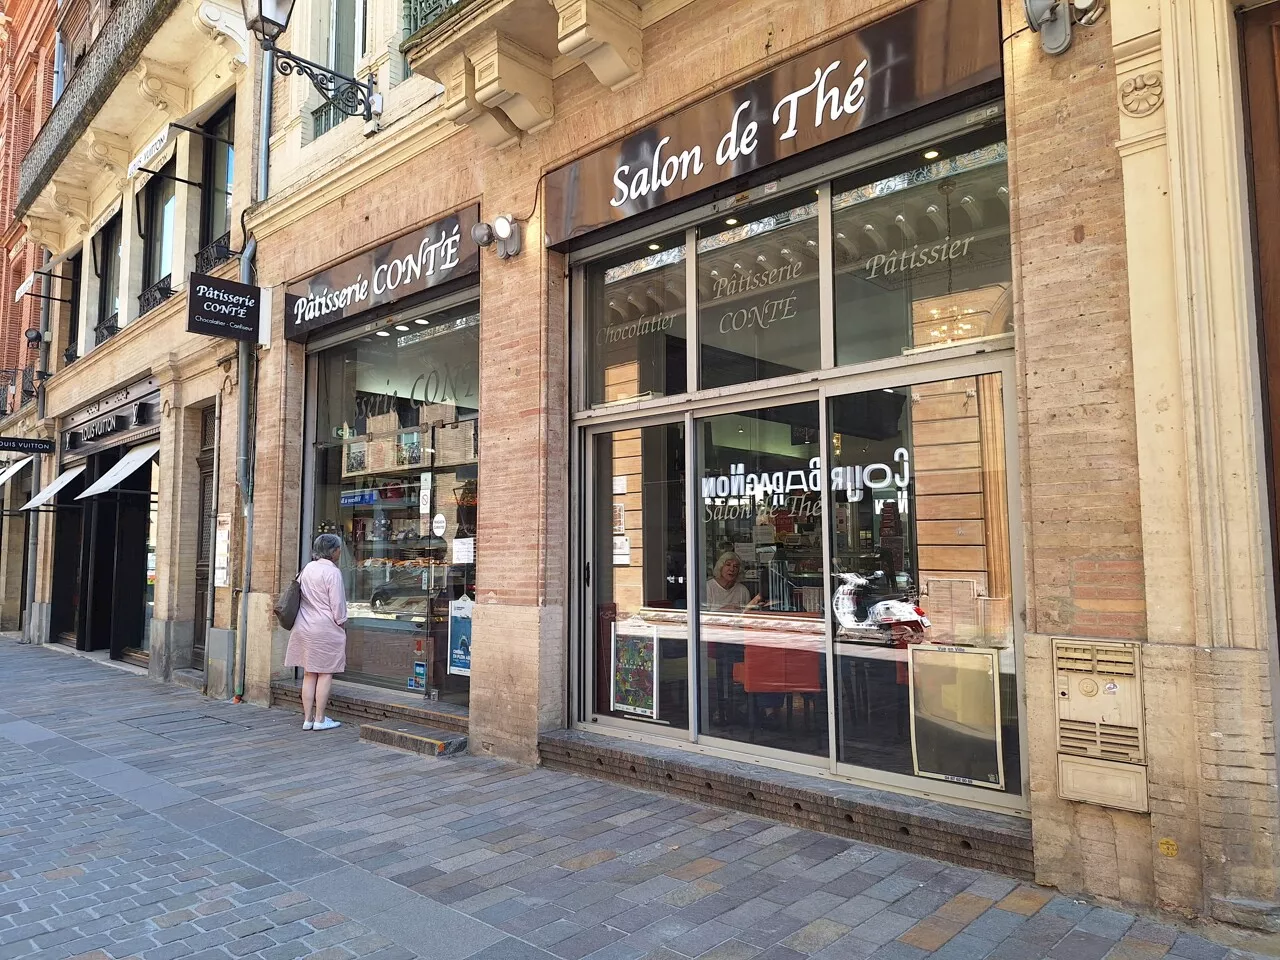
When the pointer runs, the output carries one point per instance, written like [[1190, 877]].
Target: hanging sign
[[25, 445], [925, 53], [460, 636], [150, 151], [223, 308], [409, 264]]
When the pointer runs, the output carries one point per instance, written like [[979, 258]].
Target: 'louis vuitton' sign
[[923, 54]]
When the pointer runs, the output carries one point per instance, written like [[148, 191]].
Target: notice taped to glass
[[955, 714], [635, 673]]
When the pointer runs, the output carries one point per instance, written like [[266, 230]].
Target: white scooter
[[893, 622]]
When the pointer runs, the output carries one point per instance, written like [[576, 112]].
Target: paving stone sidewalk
[[142, 820]]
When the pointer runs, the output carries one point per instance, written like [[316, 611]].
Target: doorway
[[204, 536], [1260, 44]]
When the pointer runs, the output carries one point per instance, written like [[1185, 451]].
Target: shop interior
[[906, 584], [104, 554], [396, 470]]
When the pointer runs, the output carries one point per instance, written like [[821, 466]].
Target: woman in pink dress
[[318, 641]]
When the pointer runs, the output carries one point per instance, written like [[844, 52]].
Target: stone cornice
[[114, 52]]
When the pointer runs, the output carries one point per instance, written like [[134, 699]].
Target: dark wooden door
[[1260, 35], [208, 439]]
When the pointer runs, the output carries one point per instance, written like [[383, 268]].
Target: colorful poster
[[635, 673], [460, 636], [420, 674]]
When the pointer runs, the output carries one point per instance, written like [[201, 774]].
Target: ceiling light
[[383, 333], [732, 221], [655, 246], [402, 328], [423, 321], [932, 154]]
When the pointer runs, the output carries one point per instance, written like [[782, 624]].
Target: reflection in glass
[[761, 634], [640, 586], [396, 470], [922, 258], [758, 294], [919, 535], [636, 345]]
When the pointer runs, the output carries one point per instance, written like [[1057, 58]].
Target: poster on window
[[635, 672], [460, 636], [955, 714]]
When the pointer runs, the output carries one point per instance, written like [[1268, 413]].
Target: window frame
[[990, 354], [157, 187], [111, 233], [216, 138]]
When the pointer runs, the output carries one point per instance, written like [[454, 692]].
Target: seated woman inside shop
[[723, 592]]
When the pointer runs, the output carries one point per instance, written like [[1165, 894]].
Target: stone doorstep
[[415, 738], [192, 679], [929, 828], [361, 704]]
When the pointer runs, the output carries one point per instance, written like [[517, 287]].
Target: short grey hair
[[323, 547]]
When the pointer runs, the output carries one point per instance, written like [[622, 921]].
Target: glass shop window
[[636, 323], [396, 469], [922, 258], [758, 285]]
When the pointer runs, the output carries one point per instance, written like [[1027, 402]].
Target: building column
[[519, 648], [177, 539], [1225, 682]]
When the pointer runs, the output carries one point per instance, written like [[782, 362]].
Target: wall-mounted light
[[504, 231], [1053, 19], [267, 20]]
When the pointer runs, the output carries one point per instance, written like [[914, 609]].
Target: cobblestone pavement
[[142, 820]]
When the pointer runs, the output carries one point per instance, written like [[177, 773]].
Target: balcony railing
[[70, 355], [107, 329], [154, 295], [420, 14], [215, 253], [325, 117]]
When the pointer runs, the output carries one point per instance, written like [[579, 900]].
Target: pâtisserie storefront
[[393, 344], [795, 417]]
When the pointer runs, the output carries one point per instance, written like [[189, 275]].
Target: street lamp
[[267, 19]]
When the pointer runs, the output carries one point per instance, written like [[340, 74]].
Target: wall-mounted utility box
[[1102, 751]]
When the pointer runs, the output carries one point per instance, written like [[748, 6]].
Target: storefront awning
[[51, 491], [11, 471], [130, 462]]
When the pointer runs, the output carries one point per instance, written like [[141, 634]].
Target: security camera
[[482, 234]]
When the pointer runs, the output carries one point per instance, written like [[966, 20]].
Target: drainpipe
[[213, 534], [244, 472], [33, 517], [244, 478]]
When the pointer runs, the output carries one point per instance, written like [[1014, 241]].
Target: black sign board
[[925, 53], [223, 308], [409, 264], [23, 445]]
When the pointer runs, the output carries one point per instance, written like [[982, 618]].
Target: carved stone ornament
[[1142, 95]]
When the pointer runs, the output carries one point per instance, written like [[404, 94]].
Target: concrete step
[[431, 741], [193, 679]]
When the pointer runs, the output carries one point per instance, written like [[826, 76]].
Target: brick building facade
[[534, 498]]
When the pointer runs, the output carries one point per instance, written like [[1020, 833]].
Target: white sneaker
[[326, 724], [308, 725]]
